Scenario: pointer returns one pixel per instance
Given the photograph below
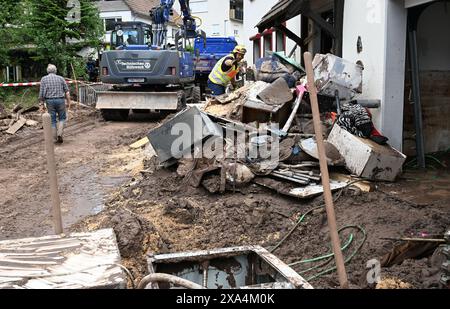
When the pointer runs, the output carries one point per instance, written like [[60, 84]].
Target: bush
[[26, 97]]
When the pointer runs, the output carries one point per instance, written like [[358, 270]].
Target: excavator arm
[[160, 16]]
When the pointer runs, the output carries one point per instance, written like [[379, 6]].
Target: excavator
[[148, 73]]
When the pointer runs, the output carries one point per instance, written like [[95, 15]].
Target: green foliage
[[79, 68], [12, 34], [189, 48], [26, 97], [57, 40]]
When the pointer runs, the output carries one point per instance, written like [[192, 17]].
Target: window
[[110, 23], [129, 37], [12, 74], [215, 30], [236, 32]]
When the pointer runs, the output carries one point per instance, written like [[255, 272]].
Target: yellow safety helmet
[[240, 50]]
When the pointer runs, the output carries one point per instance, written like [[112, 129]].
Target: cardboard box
[[365, 158]]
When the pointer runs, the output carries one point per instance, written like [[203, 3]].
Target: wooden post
[[51, 167], [335, 241]]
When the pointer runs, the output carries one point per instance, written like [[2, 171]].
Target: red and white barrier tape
[[29, 84]]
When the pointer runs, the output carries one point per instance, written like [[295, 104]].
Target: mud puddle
[[85, 192]]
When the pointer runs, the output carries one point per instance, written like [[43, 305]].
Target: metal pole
[[51, 167], [76, 89], [417, 102], [335, 241]]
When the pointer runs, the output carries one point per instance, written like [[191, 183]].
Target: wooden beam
[[291, 35], [338, 26], [320, 22], [331, 215]]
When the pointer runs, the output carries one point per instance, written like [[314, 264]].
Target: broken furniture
[[238, 268], [265, 113], [76, 261], [365, 158]]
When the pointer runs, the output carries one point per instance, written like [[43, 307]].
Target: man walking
[[54, 92], [225, 71]]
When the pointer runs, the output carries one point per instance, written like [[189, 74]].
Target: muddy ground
[[101, 186]]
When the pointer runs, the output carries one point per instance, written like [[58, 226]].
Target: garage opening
[[433, 50]]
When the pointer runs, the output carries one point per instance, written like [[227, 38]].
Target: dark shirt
[[53, 86], [225, 67]]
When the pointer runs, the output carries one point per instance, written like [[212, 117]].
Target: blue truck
[[207, 55]]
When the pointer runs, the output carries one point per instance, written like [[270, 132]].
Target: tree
[[57, 40], [11, 32]]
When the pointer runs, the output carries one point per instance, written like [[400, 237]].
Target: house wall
[[254, 10], [381, 24], [369, 24], [215, 16]]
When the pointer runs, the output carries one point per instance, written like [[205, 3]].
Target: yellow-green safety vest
[[219, 77]]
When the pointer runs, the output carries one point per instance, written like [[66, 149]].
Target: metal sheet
[[82, 260], [188, 265], [193, 119], [137, 100], [304, 192]]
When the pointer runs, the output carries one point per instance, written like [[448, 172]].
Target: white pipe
[[158, 277]]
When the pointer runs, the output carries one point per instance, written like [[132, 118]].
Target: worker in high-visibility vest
[[225, 71]]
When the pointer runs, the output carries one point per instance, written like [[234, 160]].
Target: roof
[[112, 6], [140, 8], [280, 12], [143, 7]]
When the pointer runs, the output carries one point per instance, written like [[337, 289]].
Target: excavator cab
[[131, 36]]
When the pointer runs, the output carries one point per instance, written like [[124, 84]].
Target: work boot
[[60, 132], [55, 135]]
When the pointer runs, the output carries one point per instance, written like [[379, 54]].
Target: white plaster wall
[[254, 10], [382, 27], [394, 73], [295, 26], [367, 18], [215, 16]]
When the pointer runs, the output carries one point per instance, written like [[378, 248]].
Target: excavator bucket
[[137, 100]]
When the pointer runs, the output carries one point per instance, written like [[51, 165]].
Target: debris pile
[[262, 132], [12, 122]]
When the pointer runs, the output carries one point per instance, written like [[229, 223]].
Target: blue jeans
[[57, 107], [216, 89]]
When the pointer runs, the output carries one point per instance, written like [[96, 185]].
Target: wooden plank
[[16, 126], [304, 192], [31, 123], [140, 143], [365, 186]]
